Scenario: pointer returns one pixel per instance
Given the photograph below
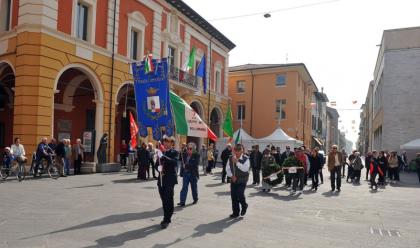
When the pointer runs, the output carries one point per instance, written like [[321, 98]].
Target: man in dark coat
[[60, 154], [143, 156], [368, 159], [226, 153], [189, 173], [283, 157], [167, 180], [255, 159]]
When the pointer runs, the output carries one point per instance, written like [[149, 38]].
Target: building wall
[[44, 46], [401, 116], [262, 97]]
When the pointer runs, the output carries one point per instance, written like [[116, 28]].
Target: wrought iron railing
[[182, 77]]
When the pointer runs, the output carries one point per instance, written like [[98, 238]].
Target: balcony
[[182, 77]]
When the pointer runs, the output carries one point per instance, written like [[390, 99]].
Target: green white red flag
[[187, 121], [148, 65]]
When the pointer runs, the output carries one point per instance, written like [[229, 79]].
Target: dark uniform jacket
[[255, 159], [169, 163], [225, 155], [190, 165]]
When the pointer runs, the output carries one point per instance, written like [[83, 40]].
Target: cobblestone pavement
[[116, 210]]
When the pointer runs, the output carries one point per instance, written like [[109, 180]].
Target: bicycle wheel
[[21, 172], [53, 171]]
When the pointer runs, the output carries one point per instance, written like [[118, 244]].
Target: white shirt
[[17, 150], [337, 162], [242, 166]]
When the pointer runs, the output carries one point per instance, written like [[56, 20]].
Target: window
[[171, 56], [240, 86], [241, 111], [218, 81], [134, 44], [82, 21], [5, 13], [280, 105], [280, 80]]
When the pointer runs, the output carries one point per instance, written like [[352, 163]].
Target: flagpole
[[209, 90]]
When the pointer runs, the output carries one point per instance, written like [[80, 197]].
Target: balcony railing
[[183, 77]]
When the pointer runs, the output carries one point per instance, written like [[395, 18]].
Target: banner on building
[[152, 98]]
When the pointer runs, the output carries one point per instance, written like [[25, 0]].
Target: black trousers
[[335, 176], [298, 180], [367, 171], [394, 174], [288, 179], [321, 176], [209, 166], [38, 161], [315, 180], [224, 172], [418, 173], [349, 173], [356, 175], [373, 180], [77, 164], [237, 194], [381, 179], [344, 170], [256, 175], [123, 159], [166, 193]]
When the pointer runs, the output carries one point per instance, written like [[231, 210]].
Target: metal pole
[[209, 89]]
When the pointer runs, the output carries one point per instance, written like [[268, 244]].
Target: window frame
[[284, 81], [240, 115], [283, 109], [7, 26], [136, 22], [237, 87], [91, 20]]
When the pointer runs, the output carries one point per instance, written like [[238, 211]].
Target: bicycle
[[18, 171], [43, 167]]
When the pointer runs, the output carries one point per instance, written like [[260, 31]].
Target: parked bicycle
[[44, 167], [17, 169]]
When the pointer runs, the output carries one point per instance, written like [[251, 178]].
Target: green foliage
[[292, 162], [269, 167]]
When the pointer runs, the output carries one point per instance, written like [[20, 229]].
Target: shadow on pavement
[[87, 186], [222, 193], [331, 194], [120, 239], [212, 185], [275, 196], [131, 180]]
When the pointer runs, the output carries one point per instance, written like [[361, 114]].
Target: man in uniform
[[167, 180], [238, 171], [227, 152]]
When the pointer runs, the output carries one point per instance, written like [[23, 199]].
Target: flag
[[148, 65], [201, 72], [238, 136], [133, 132], [228, 124], [187, 121], [189, 63]]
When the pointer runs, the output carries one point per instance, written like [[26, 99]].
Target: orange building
[[65, 65], [260, 92]]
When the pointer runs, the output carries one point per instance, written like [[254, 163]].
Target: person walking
[[301, 173], [68, 156], [78, 150], [393, 164], [18, 151], [266, 161], [203, 157], [344, 154], [350, 169], [335, 161], [123, 153], [255, 159], [357, 166], [285, 155], [383, 164], [210, 159], [167, 179], [368, 159], [238, 170], [189, 174], [143, 158], [323, 159], [226, 153], [60, 154], [417, 161], [374, 170], [316, 164]]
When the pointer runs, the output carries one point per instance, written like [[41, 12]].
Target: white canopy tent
[[414, 144], [279, 139], [247, 140]]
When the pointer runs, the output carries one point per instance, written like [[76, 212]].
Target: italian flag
[[189, 63], [148, 65], [187, 121]]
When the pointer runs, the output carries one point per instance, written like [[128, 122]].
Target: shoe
[[223, 181], [254, 183], [338, 190], [181, 204], [263, 190], [316, 188], [164, 224], [243, 211], [233, 216], [195, 201], [332, 189]]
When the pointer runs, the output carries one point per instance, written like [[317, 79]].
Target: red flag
[[133, 132], [211, 135]]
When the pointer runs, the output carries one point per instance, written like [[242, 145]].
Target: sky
[[336, 39]]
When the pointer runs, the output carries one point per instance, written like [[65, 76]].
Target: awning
[[318, 141]]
